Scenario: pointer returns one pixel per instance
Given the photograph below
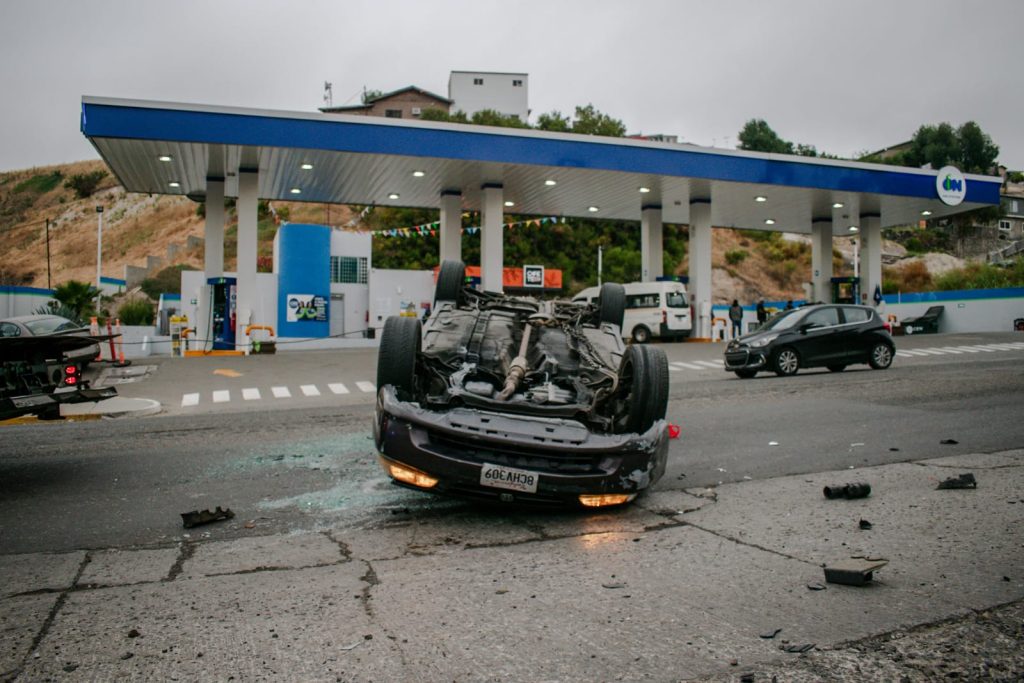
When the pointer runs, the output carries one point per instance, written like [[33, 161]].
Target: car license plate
[[509, 478]]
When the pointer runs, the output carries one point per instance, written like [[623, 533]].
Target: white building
[[473, 91]]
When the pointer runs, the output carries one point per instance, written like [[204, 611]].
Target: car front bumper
[[454, 446], [745, 358]]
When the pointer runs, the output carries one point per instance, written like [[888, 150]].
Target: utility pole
[[99, 254], [48, 285]]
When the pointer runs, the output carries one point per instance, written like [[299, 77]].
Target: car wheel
[[451, 279], [613, 303], [786, 361], [396, 358], [641, 335], [881, 356], [745, 374], [836, 368], [644, 374]]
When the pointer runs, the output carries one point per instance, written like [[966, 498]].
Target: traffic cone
[[94, 330], [121, 362]]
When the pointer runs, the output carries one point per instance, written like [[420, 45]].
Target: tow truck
[[36, 376]]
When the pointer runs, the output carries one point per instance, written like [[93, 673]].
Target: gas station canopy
[[170, 148]]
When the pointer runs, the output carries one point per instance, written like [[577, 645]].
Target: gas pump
[[222, 312], [846, 290]]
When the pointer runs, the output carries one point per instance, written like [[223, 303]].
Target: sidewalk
[[704, 583]]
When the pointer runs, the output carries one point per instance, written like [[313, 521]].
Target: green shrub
[[84, 184], [734, 257], [136, 312], [975, 276]]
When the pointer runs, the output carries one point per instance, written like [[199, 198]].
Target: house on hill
[[406, 103]]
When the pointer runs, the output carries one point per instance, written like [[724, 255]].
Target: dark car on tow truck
[[821, 335], [514, 400]]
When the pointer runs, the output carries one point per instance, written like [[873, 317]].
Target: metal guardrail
[[1006, 252]]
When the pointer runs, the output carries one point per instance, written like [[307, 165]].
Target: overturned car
[[510, 399]]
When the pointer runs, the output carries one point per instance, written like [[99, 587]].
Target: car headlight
[[764, 341]]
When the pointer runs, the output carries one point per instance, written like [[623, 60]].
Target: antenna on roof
[[328, 94]]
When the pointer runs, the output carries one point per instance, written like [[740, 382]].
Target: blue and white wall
[[22, 300], [303, 266]]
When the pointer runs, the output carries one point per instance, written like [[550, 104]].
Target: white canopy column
[[213, 233], [245, 292], [700, 267], [821, 259], [871, 257], [451, 225], [651, 261], [492, 246]]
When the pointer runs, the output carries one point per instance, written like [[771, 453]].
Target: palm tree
[[76, 296]]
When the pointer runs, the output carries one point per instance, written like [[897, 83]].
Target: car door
[[818, 340], [855, 333]]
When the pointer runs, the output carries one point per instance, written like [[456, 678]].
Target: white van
[[653, 309]]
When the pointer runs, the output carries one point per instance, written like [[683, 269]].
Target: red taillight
[[888, 327], [72, 373]]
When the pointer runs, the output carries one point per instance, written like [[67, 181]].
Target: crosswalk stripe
[[982, 348], [221, 396], [905, 354], [708, 363], [338, 388], [1001, 347], [280, 392], [931, 352], [688, 366], [189, 400], [913, 352], [251, 394], [310, 390], [964, 349], [949, 349], [366, 387]]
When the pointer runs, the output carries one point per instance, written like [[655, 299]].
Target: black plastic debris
[[799, 649], [197, 517], [949, 442], [816, 586], [771, 634], [856, 490], [856, 571], [864, 524], [961, 481]]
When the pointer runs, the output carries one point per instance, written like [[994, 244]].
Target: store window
[[393, 113], [478, 81]]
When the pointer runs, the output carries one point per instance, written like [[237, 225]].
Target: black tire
[[745, 374], [613, 303], [644, 374], [880, 357], [641, 335], [786, 361], [396, 358], [451, 279], [836, 368]]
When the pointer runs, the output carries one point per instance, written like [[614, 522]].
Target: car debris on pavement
[[961, 481], [855, 490], [197, 517], [855, 571]]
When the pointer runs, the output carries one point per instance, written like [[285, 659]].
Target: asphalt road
[[309, 463]]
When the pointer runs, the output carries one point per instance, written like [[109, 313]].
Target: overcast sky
[[844, 76]]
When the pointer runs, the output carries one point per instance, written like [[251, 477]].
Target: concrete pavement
[[682, 585]]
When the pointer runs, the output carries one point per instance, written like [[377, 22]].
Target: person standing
[[736, 316], [789, 305], [762, 313]]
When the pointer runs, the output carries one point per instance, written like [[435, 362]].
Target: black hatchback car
[[822, 335]]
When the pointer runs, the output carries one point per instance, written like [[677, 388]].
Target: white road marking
[[931, 352], [962, 349], [689, 366], [189, 400], [367, 387], [905, 354], [710, 363], [913, 352], [338, 388], [1001, 347], [251, 394], [949, 349], [981, 348], [221, 396], [280, 392], [310, 390]]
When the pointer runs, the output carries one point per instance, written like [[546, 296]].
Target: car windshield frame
[[49, 325], [782, 321]]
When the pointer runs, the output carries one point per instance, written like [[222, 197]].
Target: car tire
[[641, 335], [745, 374], [451, 279], [786, 361], [613, 304], [881, 356], [644, 372], [396, 358], [836, 368]]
